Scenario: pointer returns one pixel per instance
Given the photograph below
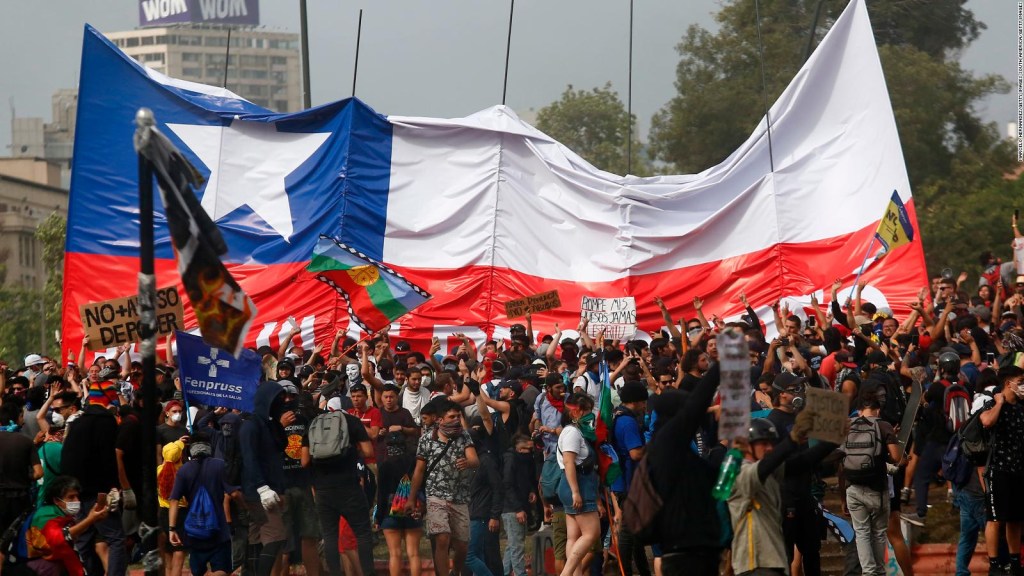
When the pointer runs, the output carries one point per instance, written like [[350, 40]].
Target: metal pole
[[814, 29], [304, 40], [508, 51], [359, 37], [227, 59], [764, 86], [147, 297], [629, 98]]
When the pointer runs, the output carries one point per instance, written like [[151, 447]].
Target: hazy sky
[[443, 57]]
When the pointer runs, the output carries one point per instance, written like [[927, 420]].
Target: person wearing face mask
[[519, 480], [801, 514], [53, 530], [300, 518], [89, 453], [578, 487], [1005, 473], [262, 440], [172, 428]]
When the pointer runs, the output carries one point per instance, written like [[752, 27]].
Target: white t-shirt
[[415, 401], [571, 440]]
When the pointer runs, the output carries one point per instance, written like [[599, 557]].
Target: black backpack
[[975, 440], [895, 398]]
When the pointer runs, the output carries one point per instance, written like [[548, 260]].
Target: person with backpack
[[204, 530], [946, 405], [578, 486], [870, 443], [1005, 471], [335, 442], [628, 440]]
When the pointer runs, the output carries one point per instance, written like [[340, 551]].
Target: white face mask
[[176, 417], [57, 419], [73, 508], [425, 381]]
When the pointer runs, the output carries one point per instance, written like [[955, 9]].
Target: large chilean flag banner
[[485, 209]]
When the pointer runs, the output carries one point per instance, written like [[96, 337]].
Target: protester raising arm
[[81, 352], [582, 329], [837, 311], [336, 343], [698, 305], [673, 331], [531, 341], [286, 342]]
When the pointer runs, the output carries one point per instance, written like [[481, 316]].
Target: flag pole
[[304, 40], [359, 37], [764, 86], [629, 98], [227, 58], [862, 265], [508, 51], [144, 121]]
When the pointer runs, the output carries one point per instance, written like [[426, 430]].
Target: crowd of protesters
[[466, 444]]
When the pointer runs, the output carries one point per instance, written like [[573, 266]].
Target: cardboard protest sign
[[616, 316], [530, 304], [734, 385], [115, 322], [831, 413]]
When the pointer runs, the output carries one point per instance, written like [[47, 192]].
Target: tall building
[[53, 141], [263, 67], [24, 203]]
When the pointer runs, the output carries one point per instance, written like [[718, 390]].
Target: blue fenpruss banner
[[211, 376]]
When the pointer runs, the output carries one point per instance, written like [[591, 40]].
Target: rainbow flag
[[376, 294], [607, 459]]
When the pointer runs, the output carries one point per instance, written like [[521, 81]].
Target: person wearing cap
[[33, 367], [89, 454], [627, 437], [801, 523]]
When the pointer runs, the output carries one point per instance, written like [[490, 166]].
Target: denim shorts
[[588, 492], [400, 523]]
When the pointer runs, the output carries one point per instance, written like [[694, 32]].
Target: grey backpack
[[329, 436]]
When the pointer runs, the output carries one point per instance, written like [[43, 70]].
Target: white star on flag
[[248, 163]]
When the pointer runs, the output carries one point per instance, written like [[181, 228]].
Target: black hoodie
[[262, 441]]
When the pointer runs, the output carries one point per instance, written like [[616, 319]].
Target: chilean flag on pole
[[484, 209]]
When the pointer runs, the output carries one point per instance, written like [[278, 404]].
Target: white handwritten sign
[[616, 316], [734, 386]]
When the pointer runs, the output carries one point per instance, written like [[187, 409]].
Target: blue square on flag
[[211, 376]]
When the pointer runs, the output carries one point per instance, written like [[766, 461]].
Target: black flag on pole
[[223, 311]]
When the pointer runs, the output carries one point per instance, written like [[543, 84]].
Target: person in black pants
[[801, 517], [338, 494]]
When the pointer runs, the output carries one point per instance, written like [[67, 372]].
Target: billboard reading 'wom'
[[164, 12]]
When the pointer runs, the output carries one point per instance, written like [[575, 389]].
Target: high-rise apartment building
[[263, 67]]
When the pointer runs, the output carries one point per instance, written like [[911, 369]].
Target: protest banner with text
[[115, 322], [616, 316], [536, 303]]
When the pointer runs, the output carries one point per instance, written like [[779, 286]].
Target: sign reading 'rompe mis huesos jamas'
[[163, 12]]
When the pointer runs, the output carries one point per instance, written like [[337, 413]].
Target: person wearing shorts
[[394, 473], [578, 487], [444, 458], [1004, 498]]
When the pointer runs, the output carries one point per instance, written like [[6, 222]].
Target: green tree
[[948, 150], [595, 125], [51, 234]]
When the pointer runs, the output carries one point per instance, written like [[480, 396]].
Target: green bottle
[[727, 475]]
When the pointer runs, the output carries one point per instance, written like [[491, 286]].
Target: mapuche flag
[[223, 311], [376, 294]]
